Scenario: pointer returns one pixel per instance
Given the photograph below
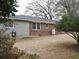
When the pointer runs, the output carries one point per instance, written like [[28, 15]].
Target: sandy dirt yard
[[50, 47]]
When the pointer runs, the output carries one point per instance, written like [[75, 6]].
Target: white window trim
[[32, 27], [36, 27]]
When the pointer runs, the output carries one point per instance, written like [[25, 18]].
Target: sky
[[22, 6]]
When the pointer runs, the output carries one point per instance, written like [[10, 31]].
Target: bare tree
[[42, 8], [68, 7]]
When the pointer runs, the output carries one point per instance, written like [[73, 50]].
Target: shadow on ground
[[68, 48]]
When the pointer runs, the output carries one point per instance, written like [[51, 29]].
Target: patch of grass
[[29, 56]]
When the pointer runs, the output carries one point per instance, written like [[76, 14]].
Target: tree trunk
[[78, 41]]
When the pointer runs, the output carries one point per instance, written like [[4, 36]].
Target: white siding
[[22, 29]]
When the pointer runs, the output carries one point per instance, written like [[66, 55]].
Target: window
[[8, 25], [36, 26]]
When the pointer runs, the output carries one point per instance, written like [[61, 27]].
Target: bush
[[7, 51], [6, 43], [6, 47], [69, 25]]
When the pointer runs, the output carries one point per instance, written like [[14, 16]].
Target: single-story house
[[32, 26]]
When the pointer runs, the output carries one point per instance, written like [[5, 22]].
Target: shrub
[[7, 51], [69, 25], [6, 47]]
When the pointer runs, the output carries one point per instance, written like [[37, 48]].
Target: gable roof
[[32, 19]]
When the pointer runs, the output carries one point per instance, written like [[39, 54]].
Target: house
[[32, 26]]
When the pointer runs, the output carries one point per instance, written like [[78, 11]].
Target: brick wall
[[46, 29]]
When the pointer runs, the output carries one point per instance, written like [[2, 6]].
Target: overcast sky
[[22, 6]]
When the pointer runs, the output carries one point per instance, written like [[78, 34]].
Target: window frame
[[9, 25], [39, 26], [36, 26], [33, 26]]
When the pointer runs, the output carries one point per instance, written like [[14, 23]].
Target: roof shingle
[[32, 19]]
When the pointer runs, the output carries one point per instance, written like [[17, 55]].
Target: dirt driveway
[[51, 47]]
